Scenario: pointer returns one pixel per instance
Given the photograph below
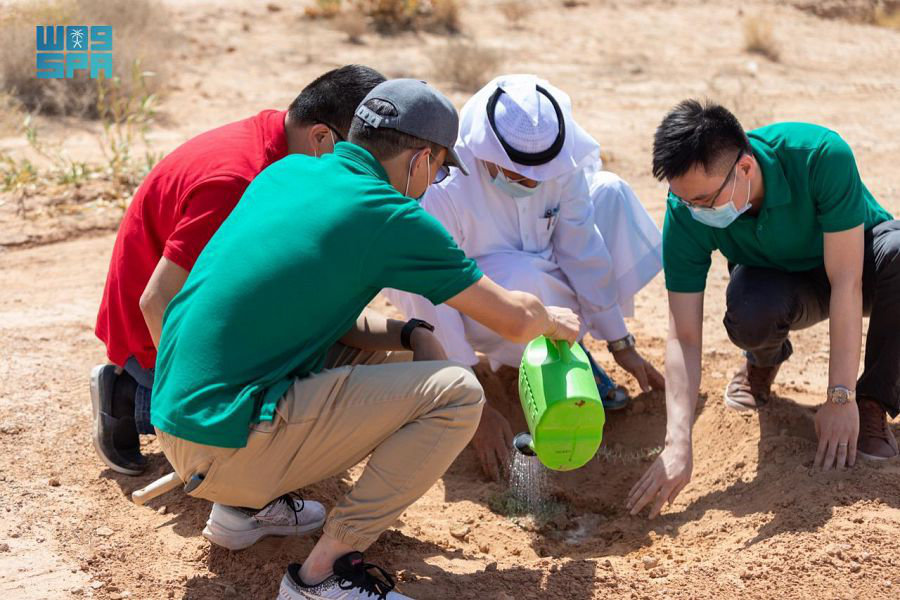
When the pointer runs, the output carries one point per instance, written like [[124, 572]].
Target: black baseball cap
[[422, 112]]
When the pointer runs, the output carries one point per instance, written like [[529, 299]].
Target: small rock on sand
[[460, 532], [650, 562], [104, 531]]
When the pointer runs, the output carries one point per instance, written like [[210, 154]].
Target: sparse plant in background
[[445, 16], [465, 64], [887, 17], [126, 110], [324, 9], [759, 37], [389, 17], [140, 33], [515, 11]]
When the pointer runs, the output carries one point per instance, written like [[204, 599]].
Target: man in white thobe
[[538, 215]]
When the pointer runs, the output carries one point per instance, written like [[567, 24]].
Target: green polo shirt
[[309, 245], [812, 186]]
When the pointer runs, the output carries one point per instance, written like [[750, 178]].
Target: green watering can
[[561, 403]]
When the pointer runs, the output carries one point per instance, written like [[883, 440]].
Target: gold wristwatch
[[840, 394]]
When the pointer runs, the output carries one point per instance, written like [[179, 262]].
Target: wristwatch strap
[[621, 344], [406, 332]]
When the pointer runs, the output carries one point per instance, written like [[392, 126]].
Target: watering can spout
[[524, 444]]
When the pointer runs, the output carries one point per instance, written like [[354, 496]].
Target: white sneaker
[[238, 528], [351, 581]]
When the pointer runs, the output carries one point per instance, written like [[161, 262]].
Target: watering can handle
[[565, 351]]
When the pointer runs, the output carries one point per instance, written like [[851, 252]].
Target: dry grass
[[389, 17], [353, 24], [445, 16], [144, 25], [515, 11], [887, 17], [324, 9], [465, 64], [759, 37]]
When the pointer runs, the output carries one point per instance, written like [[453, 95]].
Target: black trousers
[[764, 305]]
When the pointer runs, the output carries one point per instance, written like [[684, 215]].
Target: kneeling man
[[805, 241]]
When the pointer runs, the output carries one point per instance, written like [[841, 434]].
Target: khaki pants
[[413, 418]]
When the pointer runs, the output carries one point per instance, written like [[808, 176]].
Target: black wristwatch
[[406, 333]]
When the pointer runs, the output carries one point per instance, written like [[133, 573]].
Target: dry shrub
[[390, 16], [887, 17], [515, 11], [140, 37], [759, 37], [324, 9], [445, 16], [857, 11], [395, 16], [466, 65]]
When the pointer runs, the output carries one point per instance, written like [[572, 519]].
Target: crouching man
[[267, 379], [806, 242]]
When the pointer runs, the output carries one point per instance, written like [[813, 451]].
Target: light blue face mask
[[721, 217], [514, 189]]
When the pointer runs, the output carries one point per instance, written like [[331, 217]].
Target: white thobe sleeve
[[584, 258], [448, 323]]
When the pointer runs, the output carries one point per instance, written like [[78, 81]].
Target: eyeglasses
[[442, 173], [712, 201], [334, 130]]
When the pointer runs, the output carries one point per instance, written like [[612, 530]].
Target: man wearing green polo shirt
[[805, 241], [269, 380]]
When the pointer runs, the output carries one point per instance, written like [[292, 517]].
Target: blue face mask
[[721, 217], [512, 188]]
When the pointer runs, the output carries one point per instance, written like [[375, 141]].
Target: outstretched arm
[[671, 470], [517, 316]]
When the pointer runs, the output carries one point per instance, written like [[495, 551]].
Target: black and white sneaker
[[353, 579], [115, 433], [238, 528]]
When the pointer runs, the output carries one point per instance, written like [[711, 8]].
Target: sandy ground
[[755, 521]]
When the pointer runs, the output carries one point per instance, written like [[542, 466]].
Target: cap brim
[[452, 160]]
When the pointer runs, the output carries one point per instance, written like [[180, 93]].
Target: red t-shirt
[[175, 212]]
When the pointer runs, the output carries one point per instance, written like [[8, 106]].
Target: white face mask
[[512, 188], [721, 217]]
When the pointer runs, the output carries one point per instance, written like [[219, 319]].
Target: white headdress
[[524, 124]]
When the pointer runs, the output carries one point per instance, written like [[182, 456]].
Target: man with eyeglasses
[[806, 241], [538, 215], [268, 380]]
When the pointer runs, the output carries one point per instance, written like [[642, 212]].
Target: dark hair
[[384, 143], [694, 133], [333, 97]]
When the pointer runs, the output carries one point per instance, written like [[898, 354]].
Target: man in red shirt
[[175, 212]]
